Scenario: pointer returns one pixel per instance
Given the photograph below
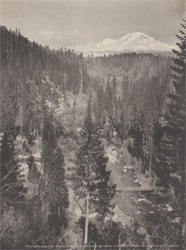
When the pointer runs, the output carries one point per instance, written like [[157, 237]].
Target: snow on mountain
[[137, 42], [101, 44]]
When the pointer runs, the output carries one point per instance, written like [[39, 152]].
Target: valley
[[92, 147]]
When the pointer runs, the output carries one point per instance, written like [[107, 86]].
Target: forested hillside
[[92, 149], [130, 99], [34, 85]]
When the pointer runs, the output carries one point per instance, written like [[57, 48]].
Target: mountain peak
[[136, 34], [131, 42]]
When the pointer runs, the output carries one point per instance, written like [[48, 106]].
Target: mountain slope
[[137, 42]]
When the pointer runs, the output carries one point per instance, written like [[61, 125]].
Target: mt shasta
[[132, 42]]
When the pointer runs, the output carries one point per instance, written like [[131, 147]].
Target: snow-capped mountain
[[137, 42]]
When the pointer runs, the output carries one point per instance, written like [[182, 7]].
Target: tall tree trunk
[[95, 246], [86, 221], [119, 242], [59, 212]]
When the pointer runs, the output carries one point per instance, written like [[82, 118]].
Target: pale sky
[[74, 22]]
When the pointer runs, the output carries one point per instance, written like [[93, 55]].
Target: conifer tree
[[170, 162], [99, 111], [55, 184], [58, 193], [114, 87], [123, 122], [91, 175], [49, 143], [12, 188], [172, 144]]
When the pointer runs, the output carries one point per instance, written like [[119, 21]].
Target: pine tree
[[123, 123], [49, 143], [12, 189], [91, 174], [114, 87], [99, 110], [85, 80], [55, 184], [58, 193], [176, 107], [170, 163], [173, 147], [109, 100]]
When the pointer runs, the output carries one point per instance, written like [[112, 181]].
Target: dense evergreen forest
[[70, 126]]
